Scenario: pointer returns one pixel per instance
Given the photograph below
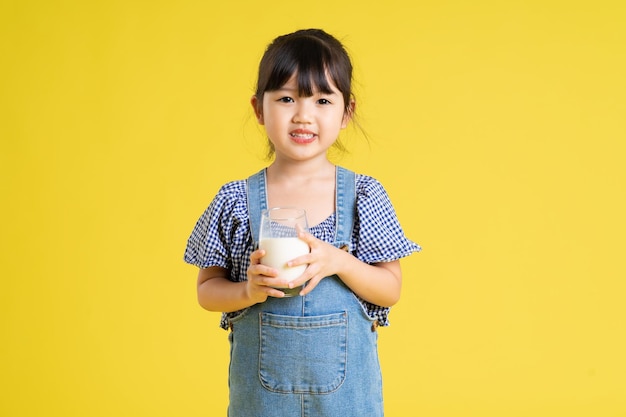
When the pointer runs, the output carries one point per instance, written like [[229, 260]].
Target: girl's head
[[317, 60]]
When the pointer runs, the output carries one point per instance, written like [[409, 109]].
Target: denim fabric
[[303, 355], [312, 356]]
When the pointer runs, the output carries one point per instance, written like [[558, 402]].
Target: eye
[[285, 100], [323, 101]]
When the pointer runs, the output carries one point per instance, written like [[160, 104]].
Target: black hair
[[313, 55]]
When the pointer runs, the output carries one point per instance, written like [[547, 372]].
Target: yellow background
[[498, 128]]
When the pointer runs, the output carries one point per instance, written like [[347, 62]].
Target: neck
[[300, 169]]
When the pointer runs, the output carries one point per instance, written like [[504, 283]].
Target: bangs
[[310, 60]]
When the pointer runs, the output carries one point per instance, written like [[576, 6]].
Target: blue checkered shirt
[[222, 237]]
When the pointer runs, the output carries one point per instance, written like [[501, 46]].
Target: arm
[[217, 293], [379, 283]]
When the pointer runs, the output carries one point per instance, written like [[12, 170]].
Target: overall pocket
[[303, 355]]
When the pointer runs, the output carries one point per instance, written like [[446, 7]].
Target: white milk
[[279, 251]]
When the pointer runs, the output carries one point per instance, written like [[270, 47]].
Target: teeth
[[302, 135]]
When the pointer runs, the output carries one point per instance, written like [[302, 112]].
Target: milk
[[279, 251]]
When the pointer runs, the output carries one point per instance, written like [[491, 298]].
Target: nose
[[303, 113]]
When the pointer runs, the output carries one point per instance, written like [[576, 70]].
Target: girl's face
[[302, 128]]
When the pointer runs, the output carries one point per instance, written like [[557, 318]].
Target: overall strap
[[346, 206], [345, 198], [257, 202]]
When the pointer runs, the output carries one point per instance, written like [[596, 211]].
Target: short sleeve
[[221, 231], [378, 236]]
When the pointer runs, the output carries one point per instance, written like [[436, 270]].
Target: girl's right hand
[[261, 279]]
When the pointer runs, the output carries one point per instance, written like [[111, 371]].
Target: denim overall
[[313, 356]]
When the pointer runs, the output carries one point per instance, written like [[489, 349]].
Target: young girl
[[314, 354]]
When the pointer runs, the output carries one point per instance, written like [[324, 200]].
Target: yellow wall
[[497, 127]]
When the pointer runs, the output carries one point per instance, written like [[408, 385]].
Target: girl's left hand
[[323, 260]]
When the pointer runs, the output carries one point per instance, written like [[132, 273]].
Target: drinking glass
[[279, 238]]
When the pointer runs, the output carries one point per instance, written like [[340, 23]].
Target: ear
[[258, 110], [348, 113]]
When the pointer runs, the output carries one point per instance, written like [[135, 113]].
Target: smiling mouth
[[303, 136]]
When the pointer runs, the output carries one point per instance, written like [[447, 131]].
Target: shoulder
[[232, 190], [227, 211], [372, 200], [369, 187], [231, 194], [228, 205]]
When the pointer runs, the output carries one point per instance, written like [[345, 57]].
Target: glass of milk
[[279, 238]]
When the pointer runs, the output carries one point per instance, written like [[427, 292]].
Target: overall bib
[[311, 356]]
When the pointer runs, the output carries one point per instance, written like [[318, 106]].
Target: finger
[[300, 260], [310, 271], [270, 286], [262, 270], [307, 237], [273, 292], [265, 280], [255, 257], [310, 286]]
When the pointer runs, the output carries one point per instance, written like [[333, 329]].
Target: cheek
[[272, 119], [341, 121], [274, 114]]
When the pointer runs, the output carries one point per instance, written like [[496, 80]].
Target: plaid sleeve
[[217, 230], [378, 234]]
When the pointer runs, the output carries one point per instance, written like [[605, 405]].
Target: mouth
[[302, 136]]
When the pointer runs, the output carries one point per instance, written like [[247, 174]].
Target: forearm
[[223, 295], [378, 284], [218, 293]]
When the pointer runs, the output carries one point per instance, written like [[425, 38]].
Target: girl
[[314, 354]]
